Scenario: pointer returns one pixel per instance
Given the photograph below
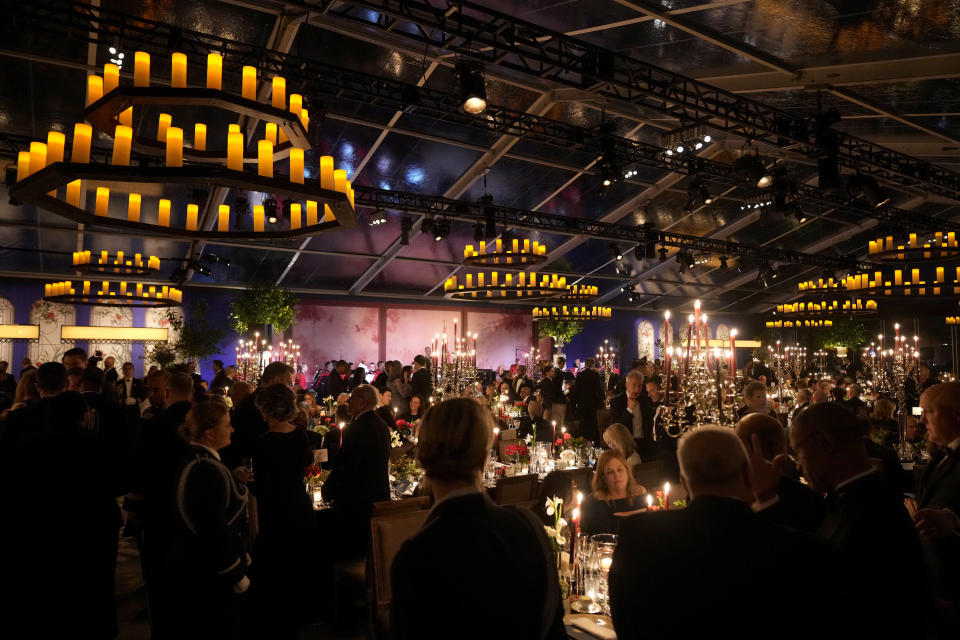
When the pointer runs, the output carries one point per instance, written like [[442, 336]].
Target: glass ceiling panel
[[222, 19], [402, 163], [325, 272]]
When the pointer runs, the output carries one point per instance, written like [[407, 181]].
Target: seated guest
[[414, 410], [448, 561], [533, 423], [801, 401], [782, 498], [882, 424], [506, 390], [615, 495], [663, 554], [385, 410], [206, 564], [360, 471], [852, 399], [864, 520], [914, 432], [755, 400], [526, 393], [619, 438], [633, 409]]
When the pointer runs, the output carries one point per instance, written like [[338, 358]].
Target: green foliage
[[560, 330], [196, 339], [845, 332], [163, 353], [265, 304]]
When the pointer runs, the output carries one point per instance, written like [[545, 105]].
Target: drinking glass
[[603, 545]]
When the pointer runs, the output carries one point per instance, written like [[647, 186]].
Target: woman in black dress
[[615, 495], [282, 552]]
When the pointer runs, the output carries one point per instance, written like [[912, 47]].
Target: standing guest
[[26, 365], [337, 380], [8, 385], [414, 411], [551, 391], [615, 496], [755, 400], [619, 438], [248, 422], [562, 373], [224, 378], [240, 391], [421, 381], [661, 554], [400, 389], [129, 390], [217, 367], [74, 358], [852, 400], [74, 376], [380, 378], [27, 392], [818, 397], [360, 471], [937, 508], [465, 524], [206, 563], [110, 376], [801, 402], [358, 376], [590, 397], [156, 389], [287, 527], [385, 409], [521, 379], [864, 520], [631, 409]]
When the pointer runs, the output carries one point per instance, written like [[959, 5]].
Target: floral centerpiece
[[518, 455], [405, 468], [329, 401], [558, 535], [569, 448], [407, 429]]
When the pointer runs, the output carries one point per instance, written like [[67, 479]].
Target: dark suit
[[220, 380], [939, 488], [248, 426], [646, 447], [589, 396], [551, 391], [380, 382], [422, 384], [516, 383], [878, 552], [107, 419], [137, 391], [335, 384], [109, 381], [797, 506], [389, 418], [717, 552], [451, 563], [359, 477]]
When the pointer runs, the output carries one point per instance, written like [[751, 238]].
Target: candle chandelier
[[953, 320], [798, 324], [916, 284], [113, 294], [45, 179], [454, 362], [526, 286], [942, 246], [579, 293], [84, 262], [571, 313], [847, 307], [502, 253]]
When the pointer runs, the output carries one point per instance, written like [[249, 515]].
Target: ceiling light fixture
[[471, 87], [911, 248], [501, 252], [121, 265]]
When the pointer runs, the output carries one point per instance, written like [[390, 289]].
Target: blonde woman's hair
[[621, 439], [201, 418], [454, 440], [883, 409], [27, 389], [599, 482]]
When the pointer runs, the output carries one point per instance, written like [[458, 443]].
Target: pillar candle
[[295, 213], [296, 103], [122, 138], [133, 207], [339, 180], [279, 92], [38, 156], [163, 122], [174, 147], [126, 117], [258, 217], [328, 213], [249, 86], [296, 165], [200, 136], [223, 220], [311, 213], [123, 288], [141, 69], [178, 70], [214, 71], [55, 144], [192, 213], [73, 193], [23, 165], [111, 77], [326, 173], [103, 257], [270, 132], [265, 158], [163, 213], [235, 151], [94, 89], [103, 201], [305, 118], [139, 289]]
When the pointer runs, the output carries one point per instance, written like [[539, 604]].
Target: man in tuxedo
[[336, 382], [633, 409], [129, 390], [521, 379], [852, 400], [937, 509], [156, 394], [74, 358], [590, 397], [551, 390], [801, 402], [248, 423], [105, 418], [663, 554], [110, 376], [360, 470], [864, 520], [224, 378], [422, 384]]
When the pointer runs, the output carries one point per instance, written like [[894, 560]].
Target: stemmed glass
[[603, 546]]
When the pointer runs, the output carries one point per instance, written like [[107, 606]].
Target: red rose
[[567, 436]]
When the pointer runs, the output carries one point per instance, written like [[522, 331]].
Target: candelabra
[[454, 363], [904, 367], [606, 361]]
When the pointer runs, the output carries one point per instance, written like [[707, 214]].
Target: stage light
[[471, 88], [723, 263], [378, 218], [753, 169]]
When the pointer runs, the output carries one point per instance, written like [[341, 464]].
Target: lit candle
[[55, 144], [133, 207], [174, 147], [82, 134], [666, 495], [305, 118], [326, 172], [295, 212], [192, 212], [103, 257], [265, 158], [296, 103], [111, 77], [94, 89], [270, 132], [122, 138], [126, 117], [342, 425], [258, 217], [139, 289], [23, 165], [73, 193], [296, 165], [223, 223], [163, 213], [102, 202], [141, 69], [163, 121], [200, 136], [279, 92], [214, 71], [311, 213], [249, 86], [339, 180], [178, 70], [235, 151], [38, 156]]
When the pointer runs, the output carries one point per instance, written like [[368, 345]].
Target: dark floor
[[132, 606]]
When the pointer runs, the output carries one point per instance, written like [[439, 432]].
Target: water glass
[[603, 546]]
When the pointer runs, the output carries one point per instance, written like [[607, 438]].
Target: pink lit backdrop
[[325, 332]]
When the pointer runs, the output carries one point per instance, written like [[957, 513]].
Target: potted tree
[[195, 339], [562, 331], [265, 309]]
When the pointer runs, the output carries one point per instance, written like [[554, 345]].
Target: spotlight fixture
[[427, 225], [758, 201], [752, 168], [616, 253], [686, 139], [866, 187], [213, 258], [441, 228], [406, 225], [270, 210], [723, 263], [470, 87], [378, 218], [609, 171], [685, 260]]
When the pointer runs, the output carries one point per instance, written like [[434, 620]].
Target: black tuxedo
[[380, 382], [589, 396], [878, 551], [551, 391], [516, 383], [220, 380], [109, 381], [336, 384], [248, 426], [939, 488], [422, 384], [359, 476], [450, 563], [716, 552], [797, 506], [136, 390], [389, 418], [618, 407]]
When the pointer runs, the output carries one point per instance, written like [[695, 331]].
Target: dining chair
[[396, 507], [515, 489], [387, 534]]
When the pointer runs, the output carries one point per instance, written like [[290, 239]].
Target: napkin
[[603, 631]]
